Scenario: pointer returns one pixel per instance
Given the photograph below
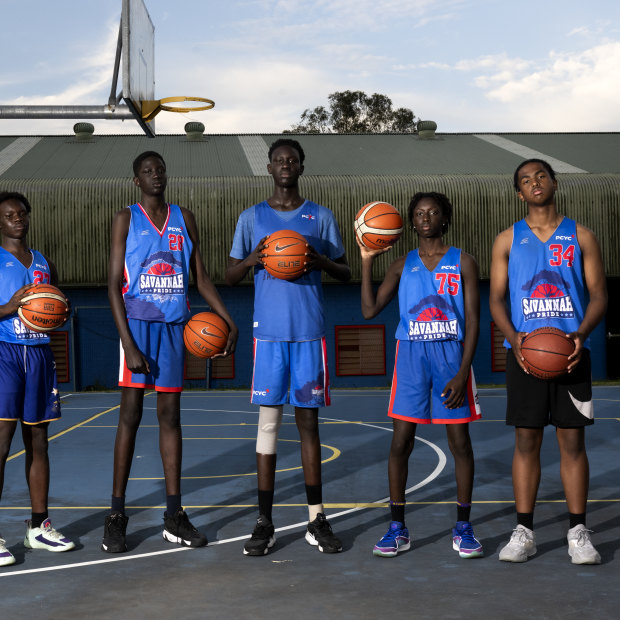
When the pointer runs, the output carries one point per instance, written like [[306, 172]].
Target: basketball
[[205, 334], [545, 352], [378, 225], [47, 308], [285, 254]]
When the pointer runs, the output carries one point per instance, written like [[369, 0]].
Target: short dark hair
[[287, 142], [542, 162], [441, 200], [4, 196], [137, 162]]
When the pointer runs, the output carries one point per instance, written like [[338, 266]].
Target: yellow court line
[[339, 505], [335, 454], [71, 428]]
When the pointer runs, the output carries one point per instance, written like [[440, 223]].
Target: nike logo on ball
[[279, 247]]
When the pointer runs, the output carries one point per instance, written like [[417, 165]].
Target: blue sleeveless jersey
[[546, 279], [157, 268], [288, 310], [13, 275], [431, 302]]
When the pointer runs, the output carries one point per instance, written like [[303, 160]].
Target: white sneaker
[[521, 546], [580, 547], [46, 537], [6, 557]]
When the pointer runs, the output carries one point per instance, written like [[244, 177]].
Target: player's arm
[[205, 287], [594, 274], [456, 388], [11, 306], [238, 268], [135, 360], [338, 268], [498, 290], [373, 303]]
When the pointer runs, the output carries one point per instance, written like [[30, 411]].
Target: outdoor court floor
[[155, 579]]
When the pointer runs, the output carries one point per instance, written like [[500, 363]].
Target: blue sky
[[469, 65]]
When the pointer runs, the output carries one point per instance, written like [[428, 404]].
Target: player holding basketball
[[433, 380], [547, 255], [154, 247], [289, 336], [28, 386]]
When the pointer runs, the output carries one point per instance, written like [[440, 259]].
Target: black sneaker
[[262, 538], [114, 531], [178, 529], [319, 534]]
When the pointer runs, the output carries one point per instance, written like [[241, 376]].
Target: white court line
[[438, 469]]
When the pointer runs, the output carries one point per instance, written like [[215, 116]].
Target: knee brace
[[269, 420]]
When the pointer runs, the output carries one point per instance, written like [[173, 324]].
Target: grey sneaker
[[580, 547], [6, 557], [521, 546], [46, 537]]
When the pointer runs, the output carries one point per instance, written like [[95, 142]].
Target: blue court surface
[[155, 579]]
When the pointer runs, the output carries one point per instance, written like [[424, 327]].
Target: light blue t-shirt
[[289, 311]]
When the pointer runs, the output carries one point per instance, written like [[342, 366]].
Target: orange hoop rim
[[163, 104]]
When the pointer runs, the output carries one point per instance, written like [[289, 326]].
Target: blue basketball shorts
[[303, 363], [28, 385], [162, 345], [421, 372]]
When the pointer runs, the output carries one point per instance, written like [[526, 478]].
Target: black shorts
[[565, 402]]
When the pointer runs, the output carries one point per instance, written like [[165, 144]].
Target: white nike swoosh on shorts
[[585, 408]]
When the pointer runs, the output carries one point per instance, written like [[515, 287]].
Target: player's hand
[[256, 257], [315, 260], [575, 356], [515, 343], [11, 306], [135, 361], [455, 392], [231, 343], [368, 252]]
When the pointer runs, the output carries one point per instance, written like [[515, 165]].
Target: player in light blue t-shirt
[[289, 336]]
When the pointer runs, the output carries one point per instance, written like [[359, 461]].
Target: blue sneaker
[[464, 541], [395, 540]]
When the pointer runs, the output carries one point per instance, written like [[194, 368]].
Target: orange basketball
[[206, 334], [285, 254], [378, 225], [545, 352], [46, 308]]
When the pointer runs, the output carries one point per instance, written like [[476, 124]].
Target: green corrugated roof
[[65, 157]]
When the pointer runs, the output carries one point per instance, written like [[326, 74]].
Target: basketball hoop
[[150, 109]]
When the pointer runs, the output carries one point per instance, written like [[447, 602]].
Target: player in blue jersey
[[543, 257], [433, 381], [154, 248], [28, 386], [289, 336]]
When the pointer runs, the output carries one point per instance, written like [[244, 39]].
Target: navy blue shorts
[[162, 345], [28, 385], [421, 372], [304, 363]]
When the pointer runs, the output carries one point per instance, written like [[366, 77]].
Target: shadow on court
[[158, 580]]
